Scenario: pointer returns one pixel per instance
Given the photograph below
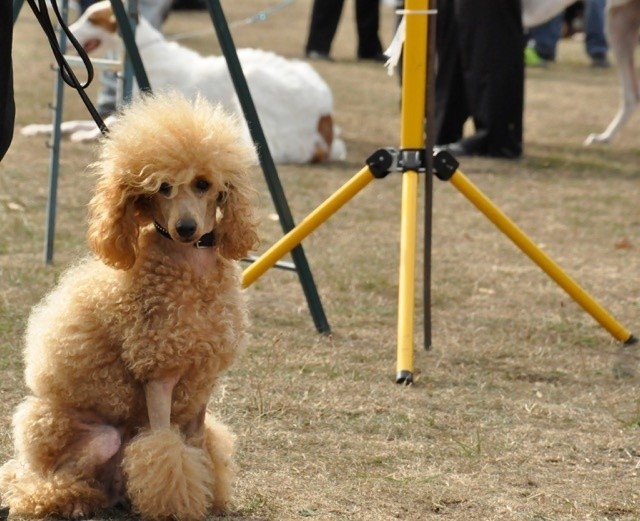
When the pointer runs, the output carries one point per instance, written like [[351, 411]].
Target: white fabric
[[535, 12], [394, 50]]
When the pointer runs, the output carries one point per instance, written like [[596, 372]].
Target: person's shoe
[[455, 149], [600, 61], [379, 57], [318, 56], [533, 59]]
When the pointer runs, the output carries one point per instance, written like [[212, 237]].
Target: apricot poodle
[[122, 356]]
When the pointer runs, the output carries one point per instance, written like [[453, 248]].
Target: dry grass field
[[516, 412]]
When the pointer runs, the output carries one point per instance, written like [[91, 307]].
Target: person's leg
[[451, 109], [325, 16], [546, 36], [492, 45], [368, 24], [595, 39], [574, 18]]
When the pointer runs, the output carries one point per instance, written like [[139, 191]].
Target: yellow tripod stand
[[411, 160]]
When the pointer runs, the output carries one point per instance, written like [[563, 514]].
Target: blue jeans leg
[[595, 39], [546, 36]]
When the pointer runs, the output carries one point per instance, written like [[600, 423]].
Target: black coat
[[7, 104], [480, 75]]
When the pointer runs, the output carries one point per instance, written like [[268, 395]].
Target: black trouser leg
[[325, 16], [368, 24]]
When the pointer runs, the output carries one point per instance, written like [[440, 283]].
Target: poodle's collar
[[208, 240]]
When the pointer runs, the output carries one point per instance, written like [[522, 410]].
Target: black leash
[[39, 8]]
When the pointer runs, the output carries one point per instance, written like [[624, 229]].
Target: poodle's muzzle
[[186, 228], [208, 240]]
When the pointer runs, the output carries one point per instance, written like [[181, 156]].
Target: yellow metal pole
[[497, 217], [414, 72], [307, 226]]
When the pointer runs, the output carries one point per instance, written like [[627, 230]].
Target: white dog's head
[[97, 28]]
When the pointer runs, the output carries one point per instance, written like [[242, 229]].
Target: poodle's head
[[182, 165]]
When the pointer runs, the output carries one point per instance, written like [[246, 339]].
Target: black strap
[[42, 15], [7, 103]]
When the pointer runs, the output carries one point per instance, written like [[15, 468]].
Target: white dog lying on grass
[[294, 104]]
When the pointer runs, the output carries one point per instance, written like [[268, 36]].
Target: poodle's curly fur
[[122, 356]]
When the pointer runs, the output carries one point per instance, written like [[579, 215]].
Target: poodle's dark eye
[[165, 189], [202, 185]]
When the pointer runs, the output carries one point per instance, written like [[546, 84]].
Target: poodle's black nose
[[186, 228]]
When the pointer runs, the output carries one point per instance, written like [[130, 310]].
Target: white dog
[[623, 26], [294, 104], [536, 12]]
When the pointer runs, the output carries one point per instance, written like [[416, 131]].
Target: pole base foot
[[404, 377]]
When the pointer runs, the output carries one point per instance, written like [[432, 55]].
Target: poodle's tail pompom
[[167, 478]]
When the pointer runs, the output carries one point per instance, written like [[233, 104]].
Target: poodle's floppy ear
[[236, 233], [113, 225]]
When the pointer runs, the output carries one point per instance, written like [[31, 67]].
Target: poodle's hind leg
[[31, 494], [218, 443], [64, 461]]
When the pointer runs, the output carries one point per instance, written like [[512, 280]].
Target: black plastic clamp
[[385, 160], [444, 165], [381, 162]]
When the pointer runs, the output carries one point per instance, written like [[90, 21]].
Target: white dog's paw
[[596, 138], [36, 130], [82, 136], [89, 130], [338, 150]]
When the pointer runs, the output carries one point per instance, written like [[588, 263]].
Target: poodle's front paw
[[219, 510], [167, 478], [76, 510]]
